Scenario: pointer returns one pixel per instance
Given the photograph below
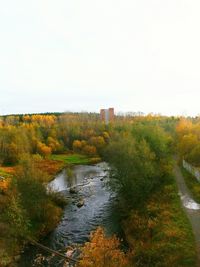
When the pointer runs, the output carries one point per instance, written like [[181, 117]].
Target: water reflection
[[60, 182], [78, 176], [70, 177]]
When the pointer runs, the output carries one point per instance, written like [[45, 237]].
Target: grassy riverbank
[[73, 159], [161, 235]]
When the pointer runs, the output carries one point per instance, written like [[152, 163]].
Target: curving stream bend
[[100, 209]]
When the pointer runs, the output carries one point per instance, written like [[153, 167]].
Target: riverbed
[[100, 208]]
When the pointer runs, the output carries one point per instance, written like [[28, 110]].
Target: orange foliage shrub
[[43, 149], [90, 150], [83, 143], [53, 144], [97, 141], [4, 184], [51, 167], [77, 146], [102, 251], [184, 127], [26, 118], [106, 136]]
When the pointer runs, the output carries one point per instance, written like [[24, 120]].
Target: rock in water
[[80, 203], [73, 190]]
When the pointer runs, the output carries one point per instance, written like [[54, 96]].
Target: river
[[100, 209]]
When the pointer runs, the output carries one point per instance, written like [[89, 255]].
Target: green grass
[[4, 174], [184, 243], [192, 184], [72, 158]]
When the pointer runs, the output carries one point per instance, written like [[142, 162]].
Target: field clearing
[[74, 159]]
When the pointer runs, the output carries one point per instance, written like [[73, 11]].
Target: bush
[[102, 251], [57, 198], [39, 205]]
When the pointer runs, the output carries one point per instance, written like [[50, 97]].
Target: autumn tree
[[187, 143], [139, 161], [194, 155], [38, 203], [106, 136], [43, 149], [54, 144], [184, 127], [102, 251], [90, 150], [13, 143], [98, 142], [133, 169], [188, 140], [77, 146]]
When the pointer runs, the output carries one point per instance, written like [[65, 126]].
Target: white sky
[[134, 55]]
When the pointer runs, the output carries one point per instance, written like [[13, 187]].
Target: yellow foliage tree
[[27, 118], [187, 143], [53, 144], [106, 136], [43, 149], [98, 142], [90, 150], [77, 146], [184, 127], [102, 251], [46, 120]]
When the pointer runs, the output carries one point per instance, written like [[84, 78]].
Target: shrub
[[102, 251]]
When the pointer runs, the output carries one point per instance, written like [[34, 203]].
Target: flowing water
[[100, 209]]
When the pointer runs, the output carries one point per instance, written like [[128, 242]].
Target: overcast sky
[[78, 55]]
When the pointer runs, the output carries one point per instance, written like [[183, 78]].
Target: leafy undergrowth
[[74, 159], [161, 235], [6, 174], [50, 167], [193, 184], [26, 209]]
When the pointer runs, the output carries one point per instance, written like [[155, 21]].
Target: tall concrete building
[[107, 115]]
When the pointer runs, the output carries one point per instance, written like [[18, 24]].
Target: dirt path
[[191, 207]]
